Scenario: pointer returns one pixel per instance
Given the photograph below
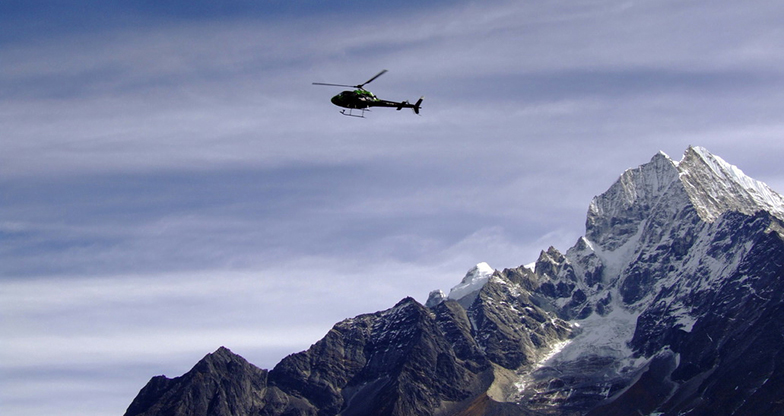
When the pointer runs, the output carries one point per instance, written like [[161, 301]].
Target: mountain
[[670, 304]]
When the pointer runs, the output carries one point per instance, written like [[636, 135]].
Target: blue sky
[[170, 180]]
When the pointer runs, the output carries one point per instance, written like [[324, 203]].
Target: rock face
[[222, 383], [670, 304]]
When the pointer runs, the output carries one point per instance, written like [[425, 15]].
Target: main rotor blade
[[371, 79], [360, 86], [335, 85]]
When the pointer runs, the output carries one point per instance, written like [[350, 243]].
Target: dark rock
[[222, 383]]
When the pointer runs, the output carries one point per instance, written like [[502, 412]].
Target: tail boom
[[398, 105]]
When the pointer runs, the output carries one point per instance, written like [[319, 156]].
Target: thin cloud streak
[[176, 126]]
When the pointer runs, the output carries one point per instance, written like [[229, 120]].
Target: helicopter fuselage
[[362, 99], [355, 99]]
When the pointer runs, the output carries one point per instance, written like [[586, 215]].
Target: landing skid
[[350, 113]]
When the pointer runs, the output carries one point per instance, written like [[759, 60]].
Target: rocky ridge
[[670, 304]]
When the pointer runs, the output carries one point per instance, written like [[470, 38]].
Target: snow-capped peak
[[615, 216], [715, 186], [704, 181], [474, 280]]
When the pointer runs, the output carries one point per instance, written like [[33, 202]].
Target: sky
[[172, 182]]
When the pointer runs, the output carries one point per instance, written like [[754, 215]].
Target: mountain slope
[[671, 303], [222, 383]]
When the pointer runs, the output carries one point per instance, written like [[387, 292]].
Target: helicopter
[[362, 99]]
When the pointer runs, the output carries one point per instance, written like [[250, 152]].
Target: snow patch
[[685, 321], [557, 348], [615, 261], [602, 336]]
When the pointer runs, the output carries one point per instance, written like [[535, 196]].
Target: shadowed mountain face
[[671, 303]]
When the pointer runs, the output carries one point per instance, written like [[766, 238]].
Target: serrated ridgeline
[[672, 303]]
